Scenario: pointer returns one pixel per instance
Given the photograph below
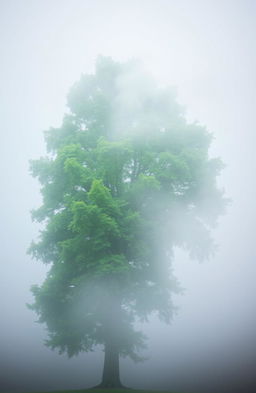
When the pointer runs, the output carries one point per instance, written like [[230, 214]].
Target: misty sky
[[206, 50]]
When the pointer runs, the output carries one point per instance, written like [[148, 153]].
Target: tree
[[126, 180]]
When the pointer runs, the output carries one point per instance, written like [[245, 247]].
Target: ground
[[110, 390]]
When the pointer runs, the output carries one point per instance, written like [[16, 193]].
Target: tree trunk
[[111, 375]]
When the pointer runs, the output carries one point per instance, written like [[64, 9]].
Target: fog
[[205, 50]]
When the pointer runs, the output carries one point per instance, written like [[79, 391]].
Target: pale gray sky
[[206, 49]]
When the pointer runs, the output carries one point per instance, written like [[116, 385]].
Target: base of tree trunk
[[110, 386]]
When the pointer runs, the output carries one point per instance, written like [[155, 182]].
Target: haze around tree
[[126, 180]]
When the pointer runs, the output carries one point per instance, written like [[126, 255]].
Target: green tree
[[126, 180]]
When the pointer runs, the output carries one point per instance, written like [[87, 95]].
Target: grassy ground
[[110, 390]]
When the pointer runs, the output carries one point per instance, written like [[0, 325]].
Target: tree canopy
[[126, 179]]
